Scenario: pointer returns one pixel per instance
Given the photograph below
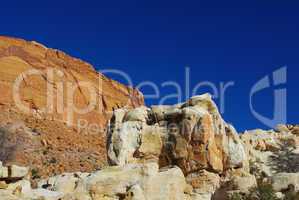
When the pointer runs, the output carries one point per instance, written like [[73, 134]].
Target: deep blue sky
[[240, 41]]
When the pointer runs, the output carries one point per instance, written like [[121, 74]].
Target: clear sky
[[220, 41]]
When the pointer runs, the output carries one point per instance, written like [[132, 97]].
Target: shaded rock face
[[192, 136], [50, 135]]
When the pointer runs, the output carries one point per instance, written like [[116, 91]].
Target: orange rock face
[[61, 97]]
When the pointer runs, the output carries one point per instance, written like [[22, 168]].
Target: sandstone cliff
[[48, 133]]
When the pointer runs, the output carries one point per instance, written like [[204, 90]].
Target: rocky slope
[[47, 136], [185, 151]]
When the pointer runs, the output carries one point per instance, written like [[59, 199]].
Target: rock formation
[[180, 152], [51, 85]]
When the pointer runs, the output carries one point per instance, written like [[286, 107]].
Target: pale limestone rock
[[13, 172], [46, 194], [243, 183], [124, 142], [236, 150], [110, 182], [137, 114], [163, 112], [18, 172], [204, 182], [169, 185], [64, 183], [261, 140], [113, 180], [282, 181], [3, 171], [20, 188], [193, 135], [3, 185], [204, 196], [7, 195], [150, 144]]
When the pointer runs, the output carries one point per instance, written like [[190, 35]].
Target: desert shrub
[[264, 191], [236, 196], [285, 160], [35, 174]]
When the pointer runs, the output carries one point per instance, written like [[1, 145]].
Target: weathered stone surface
[[203, 182], [3, 171], [18, 172], [283, 181], [48, 135], [261, 140], [13, 172], [137, 114], [191, 135], [243, 182], [131, 182]]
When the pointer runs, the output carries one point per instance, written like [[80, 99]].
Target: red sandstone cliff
[[50, 139]]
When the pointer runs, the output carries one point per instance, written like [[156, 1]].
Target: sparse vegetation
[[264, 191], [285, 160], [35, 174]]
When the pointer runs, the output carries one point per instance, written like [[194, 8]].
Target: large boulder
[[13, 172], [204, 183], [130, 182], [191, 135]]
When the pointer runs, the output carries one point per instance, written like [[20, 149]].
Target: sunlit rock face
[[50, 84], [191, 135]]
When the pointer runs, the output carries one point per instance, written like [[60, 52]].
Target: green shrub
[[236, 196], [262, 192], [35, 174]]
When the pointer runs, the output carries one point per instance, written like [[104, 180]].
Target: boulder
[[65, 183], [243, 183], [17, 171], [261, 140], [191, 135], [13, 172], [204, 182], [137, 114], [124, 141], [130, 182], [3, 171]]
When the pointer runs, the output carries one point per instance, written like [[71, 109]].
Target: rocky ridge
[[186, 151], [48, 134]]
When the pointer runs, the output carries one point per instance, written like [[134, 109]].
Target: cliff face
[[44, 91]]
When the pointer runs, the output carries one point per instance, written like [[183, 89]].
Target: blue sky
[[221, 41]]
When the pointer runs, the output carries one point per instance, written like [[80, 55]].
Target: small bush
[[262, 192], [236, 196], [35, 174]]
